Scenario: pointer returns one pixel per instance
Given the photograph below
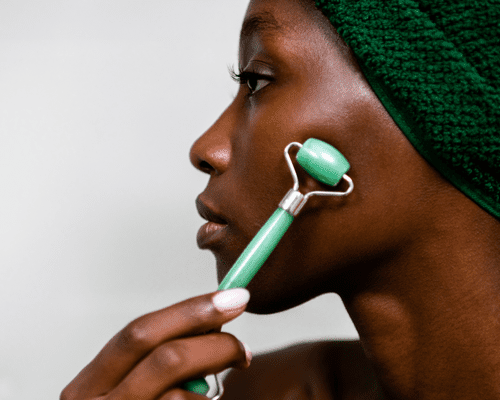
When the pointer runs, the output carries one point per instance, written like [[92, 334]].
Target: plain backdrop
[[100, 102]]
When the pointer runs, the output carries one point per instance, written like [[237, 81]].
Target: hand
[[153, 355]]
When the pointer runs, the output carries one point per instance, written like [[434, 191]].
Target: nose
[[211, 153]]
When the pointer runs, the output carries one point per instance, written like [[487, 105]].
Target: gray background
[[100, 102]]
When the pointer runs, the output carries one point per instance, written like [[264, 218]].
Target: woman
[[413, 251]]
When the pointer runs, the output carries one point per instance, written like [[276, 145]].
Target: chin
[[269, 292], [263, 304], [267, 298]]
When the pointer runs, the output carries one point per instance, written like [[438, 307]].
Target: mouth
[[213, 231]]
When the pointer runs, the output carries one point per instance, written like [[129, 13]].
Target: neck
[[429, 320]]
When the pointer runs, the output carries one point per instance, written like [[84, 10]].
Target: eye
[[254, 81]]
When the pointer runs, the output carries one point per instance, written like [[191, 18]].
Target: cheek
[[259, 169], [332, 234], [389, 176], [260, 184]]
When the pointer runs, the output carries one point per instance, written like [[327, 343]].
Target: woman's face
[[304, 83]]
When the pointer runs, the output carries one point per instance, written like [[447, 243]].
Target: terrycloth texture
[[435, 66]]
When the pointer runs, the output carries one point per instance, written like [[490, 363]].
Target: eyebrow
[[262, 23]]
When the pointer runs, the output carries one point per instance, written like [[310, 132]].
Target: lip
[[207, 213], [211, 232]]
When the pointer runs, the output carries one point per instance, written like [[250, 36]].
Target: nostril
[[206, 167]]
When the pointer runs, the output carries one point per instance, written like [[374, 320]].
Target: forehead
[[269, 18], [261, 23], [292, 21]]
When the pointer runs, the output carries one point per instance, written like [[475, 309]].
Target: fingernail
[[248, 353], [231, 299]]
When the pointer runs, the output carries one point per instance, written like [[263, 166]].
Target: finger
[[179, 394], [178, 361], [190, 317]]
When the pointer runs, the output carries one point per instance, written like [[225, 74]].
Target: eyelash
[[242, 77]]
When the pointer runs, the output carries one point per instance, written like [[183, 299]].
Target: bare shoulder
[[305, 371]]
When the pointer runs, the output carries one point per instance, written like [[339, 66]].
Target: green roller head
[[322, 161]]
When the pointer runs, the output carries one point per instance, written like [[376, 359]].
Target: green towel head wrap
[[435, 66]]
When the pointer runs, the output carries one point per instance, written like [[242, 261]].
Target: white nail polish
[[248, 353], [231, 299]]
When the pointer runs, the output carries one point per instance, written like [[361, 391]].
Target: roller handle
[[257, 251], [247, 265]]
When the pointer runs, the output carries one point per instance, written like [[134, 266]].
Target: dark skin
[[415, 262]]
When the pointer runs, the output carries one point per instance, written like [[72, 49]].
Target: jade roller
[[324, 163]]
